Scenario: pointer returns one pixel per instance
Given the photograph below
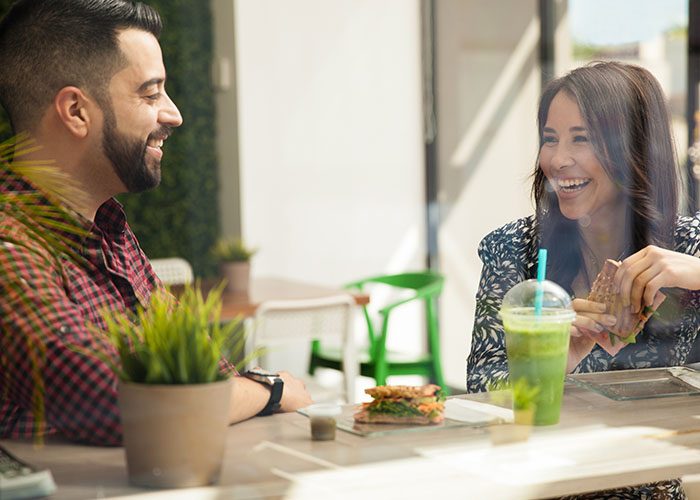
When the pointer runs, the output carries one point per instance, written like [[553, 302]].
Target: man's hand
[[642, 274], [295, 395]]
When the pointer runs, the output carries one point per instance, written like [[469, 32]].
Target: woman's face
[[567, 158]]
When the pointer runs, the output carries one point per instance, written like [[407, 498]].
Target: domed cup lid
[[520, 302]]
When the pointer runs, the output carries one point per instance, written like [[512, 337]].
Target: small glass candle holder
[[323, 421]]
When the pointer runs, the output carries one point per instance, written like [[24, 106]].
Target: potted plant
[[524, 401], [173, 397], [521, 397], [234, 258]]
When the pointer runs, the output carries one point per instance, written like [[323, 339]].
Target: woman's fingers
[[585, 305], [632, 276], [643, 274], [595, 322], [591, 316], [644, 285]]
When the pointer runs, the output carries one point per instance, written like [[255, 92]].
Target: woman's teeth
[[571, 185]]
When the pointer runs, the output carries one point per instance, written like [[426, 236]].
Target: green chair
[[379, 363]]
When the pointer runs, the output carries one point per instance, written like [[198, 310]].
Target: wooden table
[[266, 455], [269, 288]]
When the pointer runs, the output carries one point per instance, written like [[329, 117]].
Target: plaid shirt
[[46, 302]]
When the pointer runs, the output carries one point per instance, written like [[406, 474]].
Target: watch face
[[262, 373]]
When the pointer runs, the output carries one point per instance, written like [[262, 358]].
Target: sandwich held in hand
[[403, 404], [628, 324]]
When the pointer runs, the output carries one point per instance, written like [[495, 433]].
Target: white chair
[[285, 323], [173, 271]]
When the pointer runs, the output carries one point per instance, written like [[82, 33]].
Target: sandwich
[[403, 404], [628, 324]]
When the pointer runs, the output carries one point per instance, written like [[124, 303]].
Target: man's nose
[[169, 114]]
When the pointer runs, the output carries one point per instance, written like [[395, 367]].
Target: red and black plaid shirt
[[46, 303]]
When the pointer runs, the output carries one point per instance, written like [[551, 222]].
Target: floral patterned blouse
[[509, 256]]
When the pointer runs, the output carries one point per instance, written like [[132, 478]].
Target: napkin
[[475, 412], [688, 376]]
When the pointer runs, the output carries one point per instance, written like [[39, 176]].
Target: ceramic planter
[[516, 432], [237, 275], [174, 435]]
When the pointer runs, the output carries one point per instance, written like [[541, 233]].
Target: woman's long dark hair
[[625, 112]]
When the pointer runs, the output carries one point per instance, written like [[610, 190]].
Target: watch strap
[[273, 404]]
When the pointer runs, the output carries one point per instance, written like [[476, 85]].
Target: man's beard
[[128, 156]]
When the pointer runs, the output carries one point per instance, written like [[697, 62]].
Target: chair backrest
[[173, 270], [282, 323], [291, 321], [428, 287]]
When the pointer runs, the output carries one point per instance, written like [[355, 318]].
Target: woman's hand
[[642, 274], [588, 329]]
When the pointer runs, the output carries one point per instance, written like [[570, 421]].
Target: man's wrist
[[274, 383]]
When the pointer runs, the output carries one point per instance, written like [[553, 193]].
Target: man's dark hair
[[46, 45]]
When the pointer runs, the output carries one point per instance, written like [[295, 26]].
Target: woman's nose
[[562, 157]]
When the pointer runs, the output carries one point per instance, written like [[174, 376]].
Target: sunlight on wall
[[330, 128]]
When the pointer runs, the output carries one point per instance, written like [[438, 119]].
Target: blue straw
[[541, 271]]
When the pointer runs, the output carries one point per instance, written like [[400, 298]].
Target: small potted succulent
[[173, 395], [521, 397], [234, 259]]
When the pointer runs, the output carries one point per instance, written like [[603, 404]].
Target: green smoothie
[[537, 350]]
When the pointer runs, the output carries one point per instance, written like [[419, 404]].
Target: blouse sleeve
[[688, 242], [502, 269]]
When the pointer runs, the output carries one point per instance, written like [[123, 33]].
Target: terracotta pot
[[516, 432], [174, 435], [237, 275]]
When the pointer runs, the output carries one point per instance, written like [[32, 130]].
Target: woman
[[605, 187]]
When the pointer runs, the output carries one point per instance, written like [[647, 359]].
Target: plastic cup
[[322, 417], [537, 345]]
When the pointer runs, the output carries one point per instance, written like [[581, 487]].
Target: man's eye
[[153, 97]]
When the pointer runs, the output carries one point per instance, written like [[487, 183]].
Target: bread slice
[[365, 417], [402, 391], [628, 324]]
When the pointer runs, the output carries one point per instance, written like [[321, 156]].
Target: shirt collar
[[110, 218]]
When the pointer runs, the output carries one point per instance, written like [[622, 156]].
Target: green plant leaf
[[176, 341]]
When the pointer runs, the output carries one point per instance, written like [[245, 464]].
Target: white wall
[[224, 79], [330, 138], [488, 86]]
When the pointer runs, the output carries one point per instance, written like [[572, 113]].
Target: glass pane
[[650, 33]]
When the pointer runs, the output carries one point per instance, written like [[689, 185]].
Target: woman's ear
[[75, 110]]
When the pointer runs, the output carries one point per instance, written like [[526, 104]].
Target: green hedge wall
[[5, 130], [180, 218]]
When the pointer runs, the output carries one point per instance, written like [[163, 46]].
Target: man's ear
[[75, 110]]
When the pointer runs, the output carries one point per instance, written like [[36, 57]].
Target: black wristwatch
[[273, 382]]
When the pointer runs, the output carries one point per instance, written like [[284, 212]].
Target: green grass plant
[[175, 341], [232, 250], [522, 395]]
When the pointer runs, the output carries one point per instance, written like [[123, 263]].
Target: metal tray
[[346, 423], [622, 385]]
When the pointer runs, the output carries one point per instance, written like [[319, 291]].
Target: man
[[85, 78]]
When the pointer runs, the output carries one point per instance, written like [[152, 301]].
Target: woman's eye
[[580, 138], [549, 139]]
